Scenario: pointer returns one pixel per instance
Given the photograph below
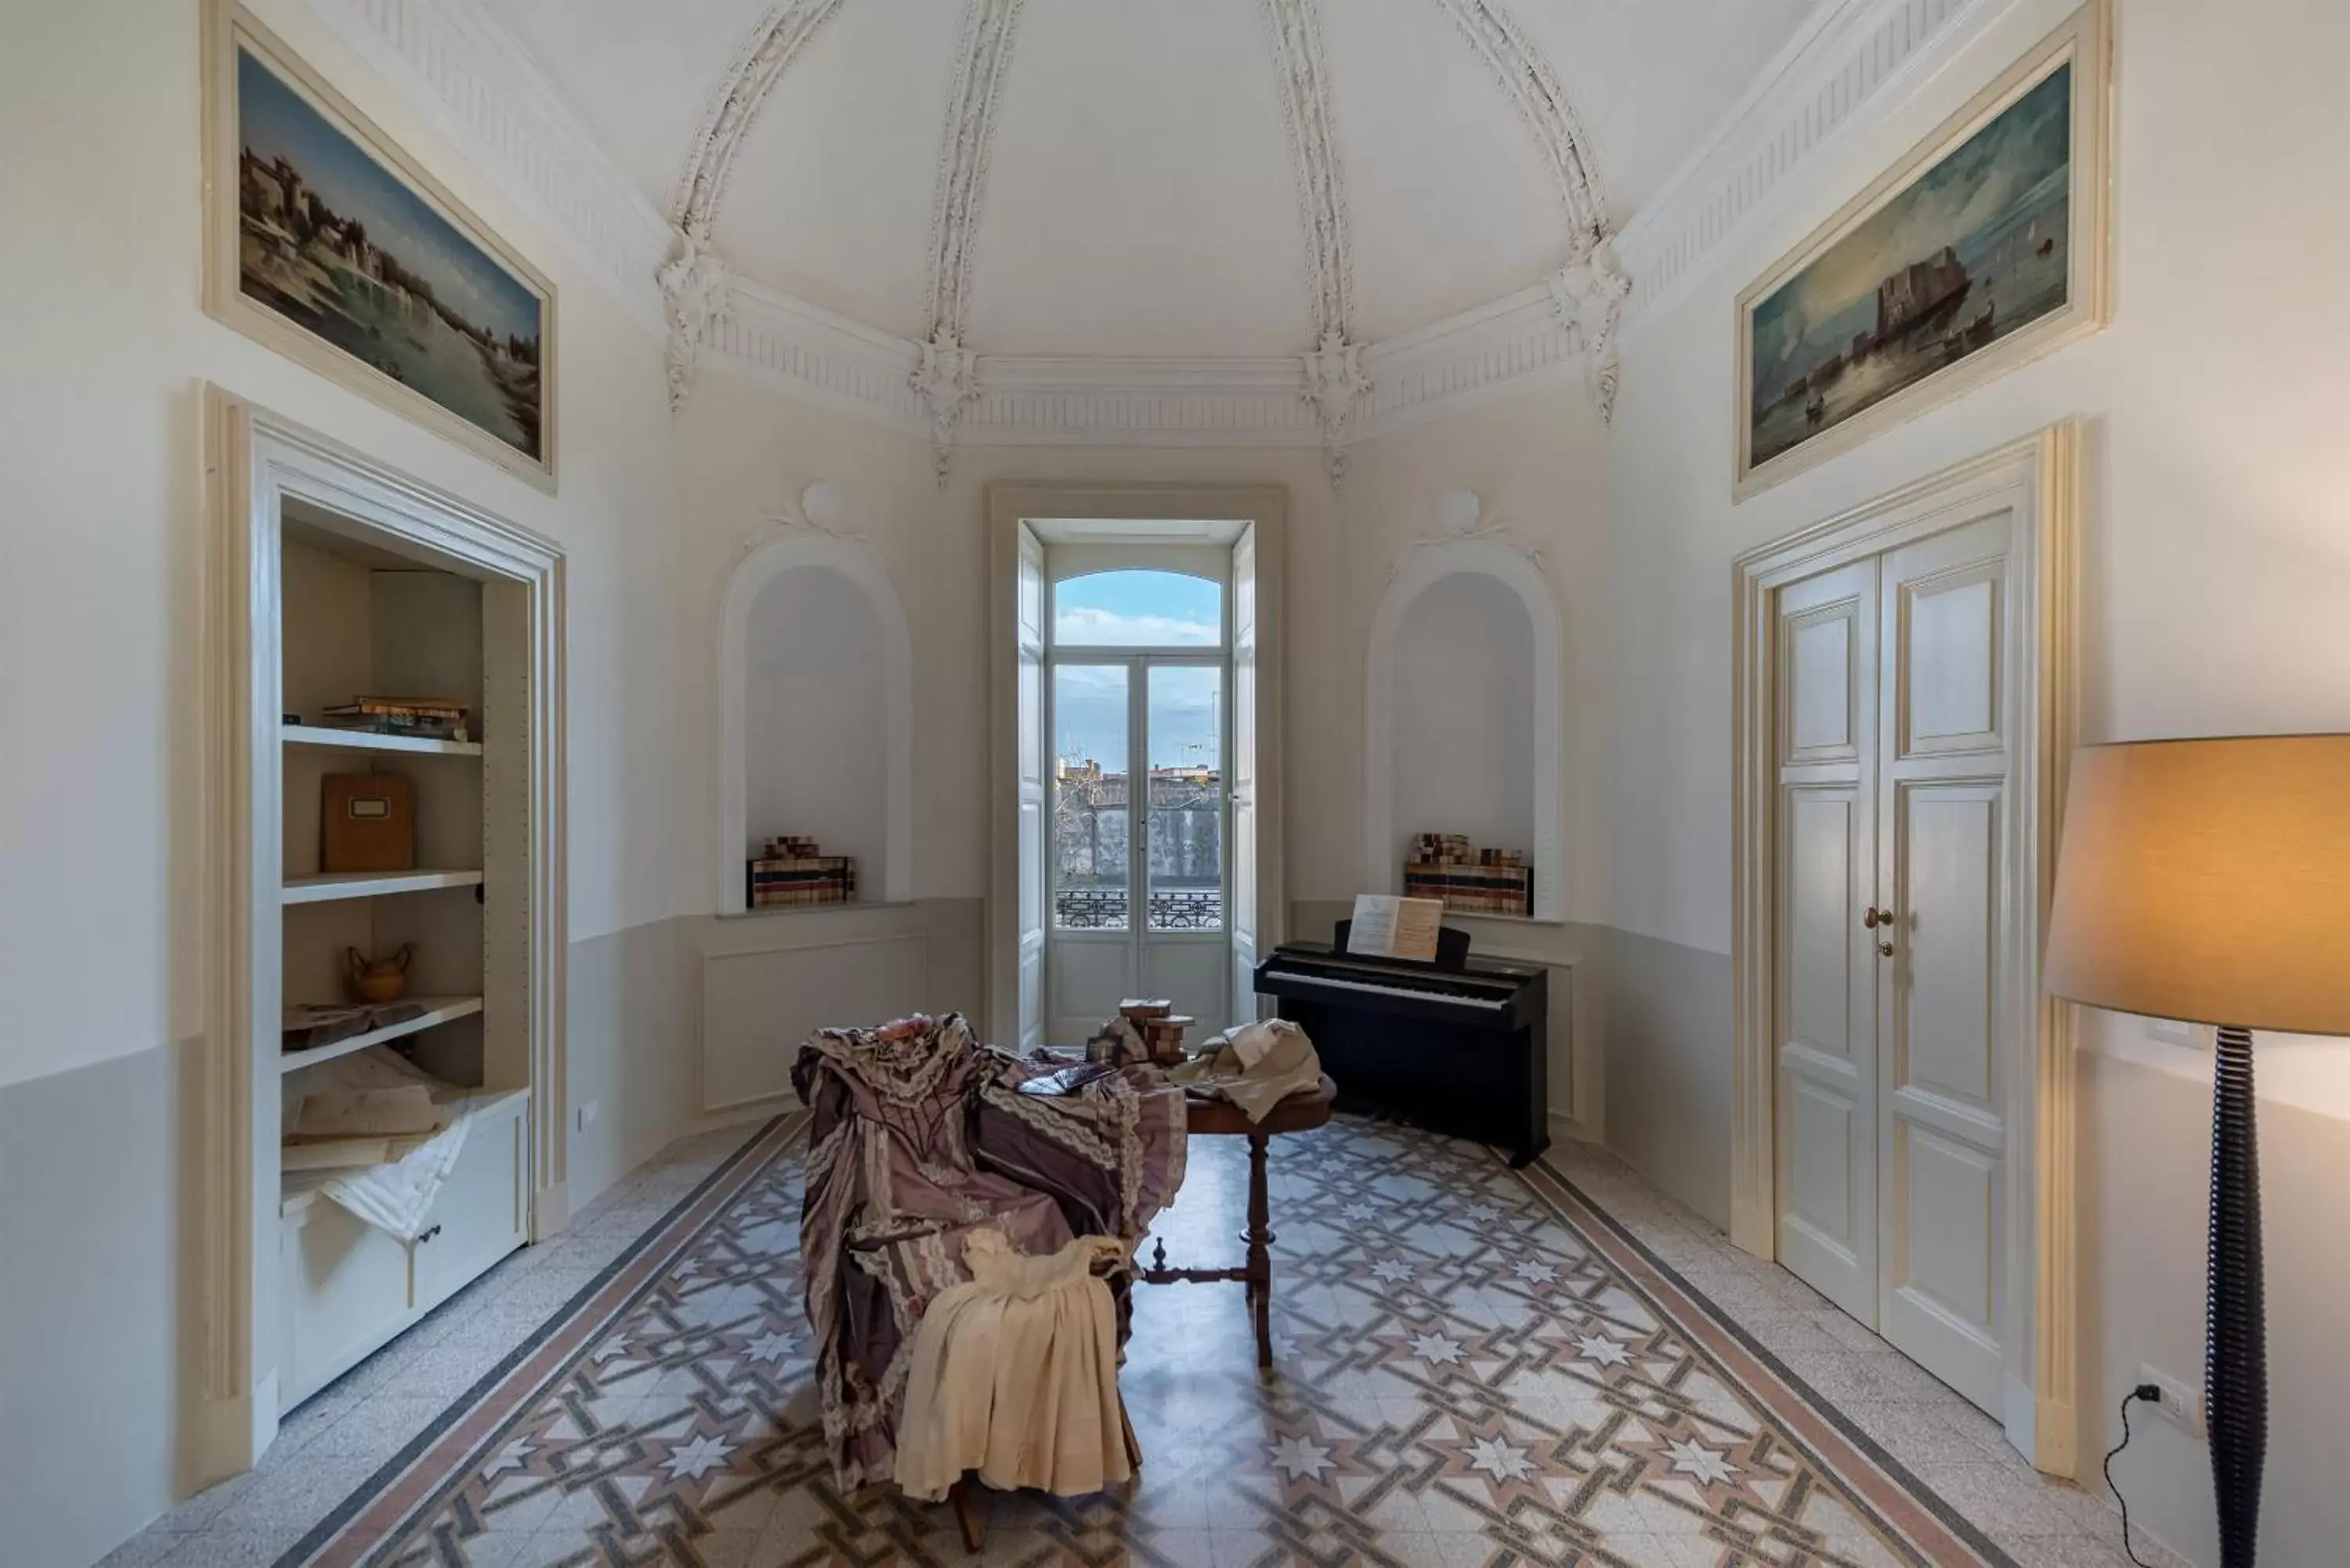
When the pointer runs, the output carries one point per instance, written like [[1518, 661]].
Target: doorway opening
[[1140, 661], [1903, 1093], [1136, 755]]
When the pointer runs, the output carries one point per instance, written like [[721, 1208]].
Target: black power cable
[[2151, 1395]]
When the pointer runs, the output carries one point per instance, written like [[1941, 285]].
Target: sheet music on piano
[[1387, 926]]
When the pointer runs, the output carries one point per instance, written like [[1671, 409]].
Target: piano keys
[[1456, 1046]]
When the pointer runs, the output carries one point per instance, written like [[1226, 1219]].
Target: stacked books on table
[[1474, 881], [795, 873], [418, 718]]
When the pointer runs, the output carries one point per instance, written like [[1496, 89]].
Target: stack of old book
[[419, 718], [1474, 881], [791, 872]]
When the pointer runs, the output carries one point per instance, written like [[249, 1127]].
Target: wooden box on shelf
[[367, 822]]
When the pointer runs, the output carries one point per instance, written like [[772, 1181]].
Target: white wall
[[2216, 557], [815, 754], [744, 454], [746, 451], [101, 768], [1463, 746]]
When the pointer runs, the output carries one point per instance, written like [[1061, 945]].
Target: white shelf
[[852, 904], [437, 1010], [372, 884], [365, 741]]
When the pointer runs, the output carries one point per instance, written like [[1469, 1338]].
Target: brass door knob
[[1874, 916]]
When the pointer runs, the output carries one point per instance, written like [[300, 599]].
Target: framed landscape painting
[[1985, 247], [326, 242]]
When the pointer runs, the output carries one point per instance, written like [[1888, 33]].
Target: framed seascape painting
[[330, 244], [1985, 247]]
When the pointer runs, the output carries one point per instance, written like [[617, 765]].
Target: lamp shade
[[2208, 881]]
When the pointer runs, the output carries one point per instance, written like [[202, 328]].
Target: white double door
[[1895, 791], [1140, 869]]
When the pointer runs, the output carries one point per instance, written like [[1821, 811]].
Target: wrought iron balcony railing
[[1107, 909]]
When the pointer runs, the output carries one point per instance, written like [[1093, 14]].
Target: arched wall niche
[[816, 693], [1439, 716]]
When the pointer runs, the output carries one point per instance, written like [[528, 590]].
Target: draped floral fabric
[[918, 1138]]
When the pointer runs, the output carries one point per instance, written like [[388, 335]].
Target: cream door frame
[[255, 461], [2038, 478], [1010, 505]]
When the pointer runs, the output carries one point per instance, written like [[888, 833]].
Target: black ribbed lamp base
[[2235, 1346]]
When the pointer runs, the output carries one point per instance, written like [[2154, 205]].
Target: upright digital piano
[[1455, 1045]]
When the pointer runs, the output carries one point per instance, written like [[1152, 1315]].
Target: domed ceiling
[[1146, 179]]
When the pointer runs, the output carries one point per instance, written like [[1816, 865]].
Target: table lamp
[[2208, 881]]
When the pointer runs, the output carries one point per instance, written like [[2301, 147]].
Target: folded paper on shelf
[[386, 1131]]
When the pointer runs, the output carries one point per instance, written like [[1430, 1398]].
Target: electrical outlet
[[588, 1111], [2181, 1405]]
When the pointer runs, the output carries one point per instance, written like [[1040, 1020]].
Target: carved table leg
[[1260, 1257], [968, 1516]]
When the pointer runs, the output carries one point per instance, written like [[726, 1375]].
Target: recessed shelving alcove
[[1464, 686], [335, 577], [817, 716]]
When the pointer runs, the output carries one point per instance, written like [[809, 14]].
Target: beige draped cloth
[[1015, 1376], [1256, 1066]]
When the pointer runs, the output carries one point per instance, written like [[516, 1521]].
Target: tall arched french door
[[1139, 873]]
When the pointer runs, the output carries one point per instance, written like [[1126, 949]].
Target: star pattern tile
[[1499, 1380]]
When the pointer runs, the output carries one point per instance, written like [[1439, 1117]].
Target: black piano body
[[1457, 1045]]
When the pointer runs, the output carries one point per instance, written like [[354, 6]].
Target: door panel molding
[[1927, 611], [2035, 482], [1820, 639]]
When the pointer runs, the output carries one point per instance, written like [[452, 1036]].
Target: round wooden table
[[1302, 1111]]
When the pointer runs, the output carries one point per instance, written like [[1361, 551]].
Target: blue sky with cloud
[[1135, 610]]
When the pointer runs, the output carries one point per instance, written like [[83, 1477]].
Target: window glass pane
[[1187, 798], [1089, 801], [1138, 609]]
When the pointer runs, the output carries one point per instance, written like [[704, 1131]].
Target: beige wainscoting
[[769, 978]]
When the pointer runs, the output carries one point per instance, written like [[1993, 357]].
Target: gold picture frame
[[1894, 306], [326, 242]]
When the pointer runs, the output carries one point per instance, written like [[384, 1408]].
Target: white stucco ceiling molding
[[1048, 400], [822, 507], [1589, 299], [1459, 515], [467, 77], [473, 84], [1847, 68], [1525, 76], [1314, 155], [1505, 348], [759, 63], [695, 284], [696, 297], [1334, 379], [947, 379], [1335, 382]]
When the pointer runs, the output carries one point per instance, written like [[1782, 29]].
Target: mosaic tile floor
[[1473, 1368]]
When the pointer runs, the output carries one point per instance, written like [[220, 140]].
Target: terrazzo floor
[[1468, 1373]]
